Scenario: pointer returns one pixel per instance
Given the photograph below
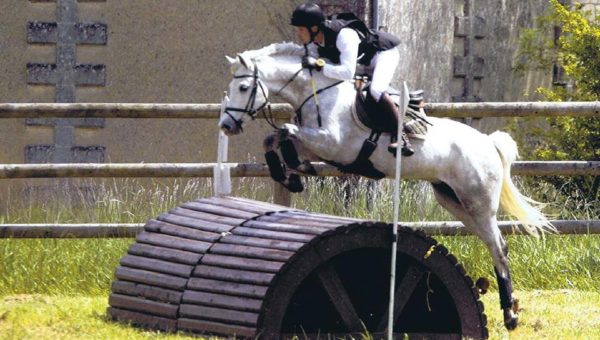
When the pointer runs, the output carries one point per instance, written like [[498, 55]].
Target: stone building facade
[[173, 52]]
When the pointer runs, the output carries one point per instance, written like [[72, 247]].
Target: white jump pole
[[403, 106], [221, 173]]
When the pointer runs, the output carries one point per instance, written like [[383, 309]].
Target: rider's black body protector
[[371, 41]]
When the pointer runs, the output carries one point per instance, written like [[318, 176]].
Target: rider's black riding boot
[[387, 106]]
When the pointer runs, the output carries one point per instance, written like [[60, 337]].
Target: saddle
[[415, 121], [415, 125]]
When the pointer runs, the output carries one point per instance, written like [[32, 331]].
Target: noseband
[[252, 99]]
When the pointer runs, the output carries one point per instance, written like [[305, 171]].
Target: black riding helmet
[[307, 15]]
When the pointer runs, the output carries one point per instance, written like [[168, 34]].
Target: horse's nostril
[[225, 127]]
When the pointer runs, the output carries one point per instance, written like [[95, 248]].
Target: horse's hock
[[232, 266]]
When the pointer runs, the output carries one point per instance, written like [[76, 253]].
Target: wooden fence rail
[[572, 168], [284, 111], [127, 230], [281, 111]]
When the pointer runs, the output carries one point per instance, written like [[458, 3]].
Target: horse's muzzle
[[229, 129]]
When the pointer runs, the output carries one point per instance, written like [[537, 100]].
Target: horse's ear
[[243, 61], [230, 59], [234, 64]]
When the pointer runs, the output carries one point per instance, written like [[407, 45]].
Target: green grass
[[87, 266], [104, 201], [557, 314], [54, 266], [42, 281], [557, 262], [548, 314], [65, 317]]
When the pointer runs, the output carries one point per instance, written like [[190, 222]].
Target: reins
[[314, 94], [289, 81]]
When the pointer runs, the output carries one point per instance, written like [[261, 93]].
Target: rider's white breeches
[[384, 65]]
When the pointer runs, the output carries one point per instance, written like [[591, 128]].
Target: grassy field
[[87, 266], [64, 284], [559, 314]]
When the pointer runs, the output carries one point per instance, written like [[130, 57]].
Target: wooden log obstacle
[[236, 267]]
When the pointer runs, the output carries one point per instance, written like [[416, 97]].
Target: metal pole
[[403, 106], [375, 14]]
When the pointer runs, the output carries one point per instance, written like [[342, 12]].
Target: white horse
[[469, 170]]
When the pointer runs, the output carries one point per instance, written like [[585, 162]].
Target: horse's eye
[[244, 87]]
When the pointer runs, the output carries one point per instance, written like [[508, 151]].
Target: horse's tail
[[512, 202]]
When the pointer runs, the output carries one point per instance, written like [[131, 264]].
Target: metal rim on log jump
[[231, 266]]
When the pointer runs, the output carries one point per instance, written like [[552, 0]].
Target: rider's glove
[[312, 63]]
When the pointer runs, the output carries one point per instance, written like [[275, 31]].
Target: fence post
[[281, 195], [221, 172]]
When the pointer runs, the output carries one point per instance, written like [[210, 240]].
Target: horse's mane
[[275, 49]]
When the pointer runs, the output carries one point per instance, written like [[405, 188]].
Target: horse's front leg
[[290, 181], [323, 143], [290, 147]]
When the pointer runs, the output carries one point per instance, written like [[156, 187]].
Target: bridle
[[257, 84], [251, 100]]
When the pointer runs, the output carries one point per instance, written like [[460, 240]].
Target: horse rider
[[345, 41]]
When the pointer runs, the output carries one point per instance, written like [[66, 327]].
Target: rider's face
[[303, 34]]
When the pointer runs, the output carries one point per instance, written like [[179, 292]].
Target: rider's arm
[[347, 42]]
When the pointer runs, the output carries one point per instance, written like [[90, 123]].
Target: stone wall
[[126, 51], [464, 50], [173, 51], [592, 5], [130, 51]]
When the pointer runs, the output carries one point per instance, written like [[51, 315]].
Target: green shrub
[[577, 52]]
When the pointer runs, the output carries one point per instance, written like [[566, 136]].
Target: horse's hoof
[[295, 184], [482, 285], [511, 320], [512, 323]]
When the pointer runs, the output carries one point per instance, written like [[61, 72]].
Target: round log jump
[[235, 267]]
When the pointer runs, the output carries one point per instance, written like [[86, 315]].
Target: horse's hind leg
[[486, 228], [488, 232]]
